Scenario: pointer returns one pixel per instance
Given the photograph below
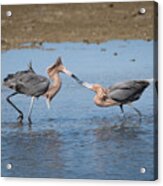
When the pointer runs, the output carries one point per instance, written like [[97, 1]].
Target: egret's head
[[100, 91], [57, 67], [96, 87]]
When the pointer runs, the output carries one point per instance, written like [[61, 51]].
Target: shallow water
[[75, 138]]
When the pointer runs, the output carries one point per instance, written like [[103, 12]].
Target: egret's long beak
[[48, 103], [67, 72], [87, 85], [84, 84], [70, 74]]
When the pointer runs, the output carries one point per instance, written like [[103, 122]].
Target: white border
[[59, 182]]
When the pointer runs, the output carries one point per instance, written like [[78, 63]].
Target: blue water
[[75, 138]]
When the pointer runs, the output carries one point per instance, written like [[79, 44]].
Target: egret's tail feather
[[155, 81], [150, 80]]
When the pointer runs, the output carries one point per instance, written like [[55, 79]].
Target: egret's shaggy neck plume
[[54, 88], [53, 72]]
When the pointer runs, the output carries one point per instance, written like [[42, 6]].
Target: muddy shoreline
[[98, 22]]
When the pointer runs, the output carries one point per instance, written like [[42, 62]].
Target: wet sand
[[88, 23]]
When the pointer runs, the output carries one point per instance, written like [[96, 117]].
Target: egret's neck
[[55, 87], [101, 96], [102, 99], [101, 92], [56, 80]]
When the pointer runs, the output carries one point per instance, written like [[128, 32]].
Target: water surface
[[75, 138]]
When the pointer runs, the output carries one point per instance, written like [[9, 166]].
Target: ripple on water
[[76, 139]]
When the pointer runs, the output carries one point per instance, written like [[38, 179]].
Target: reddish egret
[[31, 84], [123, 93]]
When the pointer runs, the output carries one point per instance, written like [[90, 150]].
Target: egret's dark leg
[[122, 110], [30, 110], [136, 110], [121, 107], [20, 117]]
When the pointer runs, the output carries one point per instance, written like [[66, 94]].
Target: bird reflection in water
[[126, 126]]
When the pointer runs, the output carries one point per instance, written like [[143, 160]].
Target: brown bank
[[91, 22]]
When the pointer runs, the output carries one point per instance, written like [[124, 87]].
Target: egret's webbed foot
[[20, 118]]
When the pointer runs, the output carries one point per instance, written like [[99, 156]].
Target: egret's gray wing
[[127, 91], [27, 82], [32, 84], [124, 85], [11, 79]]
